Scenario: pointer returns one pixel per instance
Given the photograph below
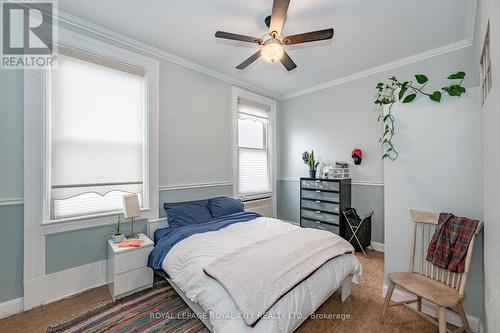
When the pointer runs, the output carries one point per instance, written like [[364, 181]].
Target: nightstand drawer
[[318, 215], [318, 205], [320, 226], [130, 260], [321, 185], [131, 280], [321, 195]]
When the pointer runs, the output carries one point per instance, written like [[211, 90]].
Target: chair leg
[[463, 316], [387, 300], [419, 303], [442, 319]]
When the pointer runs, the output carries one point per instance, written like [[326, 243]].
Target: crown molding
[[470, 25], [470, 17], [382, 68], [154, 51]]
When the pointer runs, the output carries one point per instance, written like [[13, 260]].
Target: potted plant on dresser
[[311, 162], [117, 234]]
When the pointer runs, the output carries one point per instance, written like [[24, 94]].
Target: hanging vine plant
[[406, 92]]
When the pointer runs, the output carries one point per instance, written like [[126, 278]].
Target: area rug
[[159, 309]]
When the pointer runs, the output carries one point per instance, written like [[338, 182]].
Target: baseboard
[[11, 307], [379, 247], [430, 309], [59, 285]]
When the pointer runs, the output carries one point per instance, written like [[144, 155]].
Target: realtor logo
[[27, 34]]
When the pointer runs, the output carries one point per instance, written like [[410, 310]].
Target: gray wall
[[195, 147], [490, 10], [438, 170], [11, 252], [335, 120]]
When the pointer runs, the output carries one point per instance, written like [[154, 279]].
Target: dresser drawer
[[131, 280], [317, 215], [130, 260], [318, 205], [321, 185], [320, 226], [320, 195]]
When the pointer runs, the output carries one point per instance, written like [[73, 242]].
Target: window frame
[[271, 144], [49, 211], [38, 143]]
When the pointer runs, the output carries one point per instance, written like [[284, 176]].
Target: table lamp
[[131, 210]]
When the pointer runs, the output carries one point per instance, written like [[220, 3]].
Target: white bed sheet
[[185, 261]]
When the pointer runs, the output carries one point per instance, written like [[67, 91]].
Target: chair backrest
[[424, 225]]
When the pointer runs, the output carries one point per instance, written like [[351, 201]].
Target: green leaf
[[393, 78], [385, 156], [421, 78], [457, 76], [380, 85], [409, 98], [436, 96], [404, 88]]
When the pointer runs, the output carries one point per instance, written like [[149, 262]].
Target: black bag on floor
[[364, 233]]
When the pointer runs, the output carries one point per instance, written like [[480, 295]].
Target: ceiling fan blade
[[241, 38], [287, 62], [280, 7], [251, 59], [308, 37]]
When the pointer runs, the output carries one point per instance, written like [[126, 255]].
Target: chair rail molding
[[11, 202]]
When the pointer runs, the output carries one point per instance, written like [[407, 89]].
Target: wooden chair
[[437, 285]]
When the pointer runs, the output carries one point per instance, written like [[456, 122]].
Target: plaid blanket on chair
[[450, 241]]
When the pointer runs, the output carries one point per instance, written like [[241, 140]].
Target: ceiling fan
[[273, 41]]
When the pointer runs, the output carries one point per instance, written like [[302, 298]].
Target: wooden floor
[[363, 308]]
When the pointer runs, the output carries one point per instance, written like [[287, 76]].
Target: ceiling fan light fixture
[[272, 50]]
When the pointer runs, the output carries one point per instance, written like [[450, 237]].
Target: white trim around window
[[237, 93], [37, 157]]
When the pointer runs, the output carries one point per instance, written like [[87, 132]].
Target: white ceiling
[[367, 33]]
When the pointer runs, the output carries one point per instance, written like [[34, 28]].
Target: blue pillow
[[221, 206], [183, 215]]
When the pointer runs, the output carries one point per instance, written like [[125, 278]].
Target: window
[[486, 79], [254, 158], [96, 134]]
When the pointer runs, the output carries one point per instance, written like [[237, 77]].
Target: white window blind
[[254, 169], [97, 131]]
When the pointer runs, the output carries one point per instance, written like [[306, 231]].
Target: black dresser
[[322, 202]]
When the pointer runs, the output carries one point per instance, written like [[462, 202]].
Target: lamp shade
[[131, 206]]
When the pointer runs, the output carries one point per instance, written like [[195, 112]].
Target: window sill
[[85, 222]]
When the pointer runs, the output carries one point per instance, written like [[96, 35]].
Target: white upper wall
[[195, 127], [335, 120], [490, 10]]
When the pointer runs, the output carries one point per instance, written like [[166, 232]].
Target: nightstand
[[127, 270]]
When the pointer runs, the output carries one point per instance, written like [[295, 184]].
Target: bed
[[186, 254]]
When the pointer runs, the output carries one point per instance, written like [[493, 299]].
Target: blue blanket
[[166, 238]]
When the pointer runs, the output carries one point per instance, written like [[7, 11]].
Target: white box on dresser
[[127, 270]]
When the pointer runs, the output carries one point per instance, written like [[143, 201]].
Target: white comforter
[[186, 260]]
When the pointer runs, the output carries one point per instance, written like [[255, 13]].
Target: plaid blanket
[[450, 241]]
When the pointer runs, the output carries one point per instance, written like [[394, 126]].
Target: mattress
[[185, 261]]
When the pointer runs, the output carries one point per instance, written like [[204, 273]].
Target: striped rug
[[159, 309]]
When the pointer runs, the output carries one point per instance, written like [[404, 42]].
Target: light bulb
[[272, 51]]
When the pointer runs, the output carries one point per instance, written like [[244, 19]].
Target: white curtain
[[253, 151], [96, 130]]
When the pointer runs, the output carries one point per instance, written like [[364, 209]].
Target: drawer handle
[[318, 181], [318, 222], [318, 191], [317, 201], [318, 212]]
